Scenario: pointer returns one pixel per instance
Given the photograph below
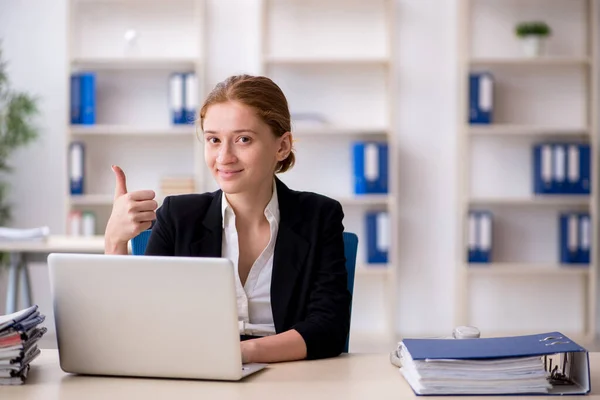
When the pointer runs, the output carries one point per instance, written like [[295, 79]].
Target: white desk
[[350, 376], [53, 244]]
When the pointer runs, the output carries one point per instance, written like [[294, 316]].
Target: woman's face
[[240, 149]]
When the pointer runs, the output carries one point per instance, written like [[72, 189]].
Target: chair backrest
[[138, 248], [350, 249], [139, 243]]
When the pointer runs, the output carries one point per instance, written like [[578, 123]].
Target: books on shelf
[[561, 168], [481, 98], [19, 335], [547, 363], [575, 238], [183, 92]]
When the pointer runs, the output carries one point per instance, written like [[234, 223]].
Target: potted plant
[[533, 35], [17, 110]]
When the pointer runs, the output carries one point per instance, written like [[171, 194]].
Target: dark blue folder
[[509, 347], [487, 348]]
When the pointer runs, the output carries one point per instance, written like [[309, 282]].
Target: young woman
[[286, 246]]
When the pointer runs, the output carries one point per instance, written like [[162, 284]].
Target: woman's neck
[[249, 208]]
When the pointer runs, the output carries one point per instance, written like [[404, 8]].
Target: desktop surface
[[349, 376]]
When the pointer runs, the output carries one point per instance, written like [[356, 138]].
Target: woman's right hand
[[131, 214]]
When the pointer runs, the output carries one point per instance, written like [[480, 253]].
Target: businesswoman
[[286, 246]]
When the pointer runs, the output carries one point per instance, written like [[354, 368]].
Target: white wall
[[34, 43]]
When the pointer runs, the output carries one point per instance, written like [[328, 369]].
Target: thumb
[[121, 185]]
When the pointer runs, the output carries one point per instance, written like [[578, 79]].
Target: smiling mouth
[[220, 171]]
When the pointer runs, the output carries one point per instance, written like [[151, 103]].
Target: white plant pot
[[533, 45]]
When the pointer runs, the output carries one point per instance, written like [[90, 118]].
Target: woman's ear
[[285, 146]]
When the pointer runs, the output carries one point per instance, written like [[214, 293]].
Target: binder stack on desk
[[548, 363], [19, 334]]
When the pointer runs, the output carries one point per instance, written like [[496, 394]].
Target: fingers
[[142, 195], [144, 205], [121, 181], [146, 216]]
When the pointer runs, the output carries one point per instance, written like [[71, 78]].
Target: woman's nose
[[226, 154]]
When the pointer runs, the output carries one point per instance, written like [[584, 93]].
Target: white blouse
[[254, 298]]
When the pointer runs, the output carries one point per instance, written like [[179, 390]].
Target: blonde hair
[[265, 97]]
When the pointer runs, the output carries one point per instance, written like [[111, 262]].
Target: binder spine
[[574, 238], [370, 161], [559, 173], [88, 98], [584, 239], [378, 237], [481, 98], [480, 237], [191, 97], [76, 168], [176, 93], [485, 237], [542, 169], [75, 95], [585, 182], [573, 169], [358, 155], [383, 184]]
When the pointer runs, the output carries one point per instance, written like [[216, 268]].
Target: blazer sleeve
[[162, 238], [325, 329]]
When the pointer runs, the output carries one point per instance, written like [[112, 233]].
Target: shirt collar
[[271, 210]]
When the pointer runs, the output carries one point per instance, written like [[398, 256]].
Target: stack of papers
[[40, 233], [495, 366], [502, 376], [19, 334]]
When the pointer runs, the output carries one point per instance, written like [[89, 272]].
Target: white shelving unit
[[553, 97], [335, 58], [133, 123]]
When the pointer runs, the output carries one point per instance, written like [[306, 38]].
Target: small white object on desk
[[466, 332]]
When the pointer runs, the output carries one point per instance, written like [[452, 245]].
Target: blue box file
[[370, 161]]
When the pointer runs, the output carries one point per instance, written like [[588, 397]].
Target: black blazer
[[309, 291]]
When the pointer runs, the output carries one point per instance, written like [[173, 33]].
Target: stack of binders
[[548, 363], [561, 168], [19, 334]]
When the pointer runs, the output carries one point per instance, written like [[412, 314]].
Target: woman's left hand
[[248, 347]]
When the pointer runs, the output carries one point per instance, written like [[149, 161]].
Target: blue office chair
[[138, 248]]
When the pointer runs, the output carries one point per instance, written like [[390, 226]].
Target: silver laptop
[[166, 317]]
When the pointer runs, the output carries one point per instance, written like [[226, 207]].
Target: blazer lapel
[[289, 256], [209, 234]]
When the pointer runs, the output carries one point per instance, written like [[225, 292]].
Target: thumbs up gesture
[[132, 213]]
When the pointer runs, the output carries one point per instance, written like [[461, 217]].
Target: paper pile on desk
[[19, 334], [40, 233]]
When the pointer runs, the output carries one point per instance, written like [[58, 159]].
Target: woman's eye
[[244, 139], [212, 140]]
